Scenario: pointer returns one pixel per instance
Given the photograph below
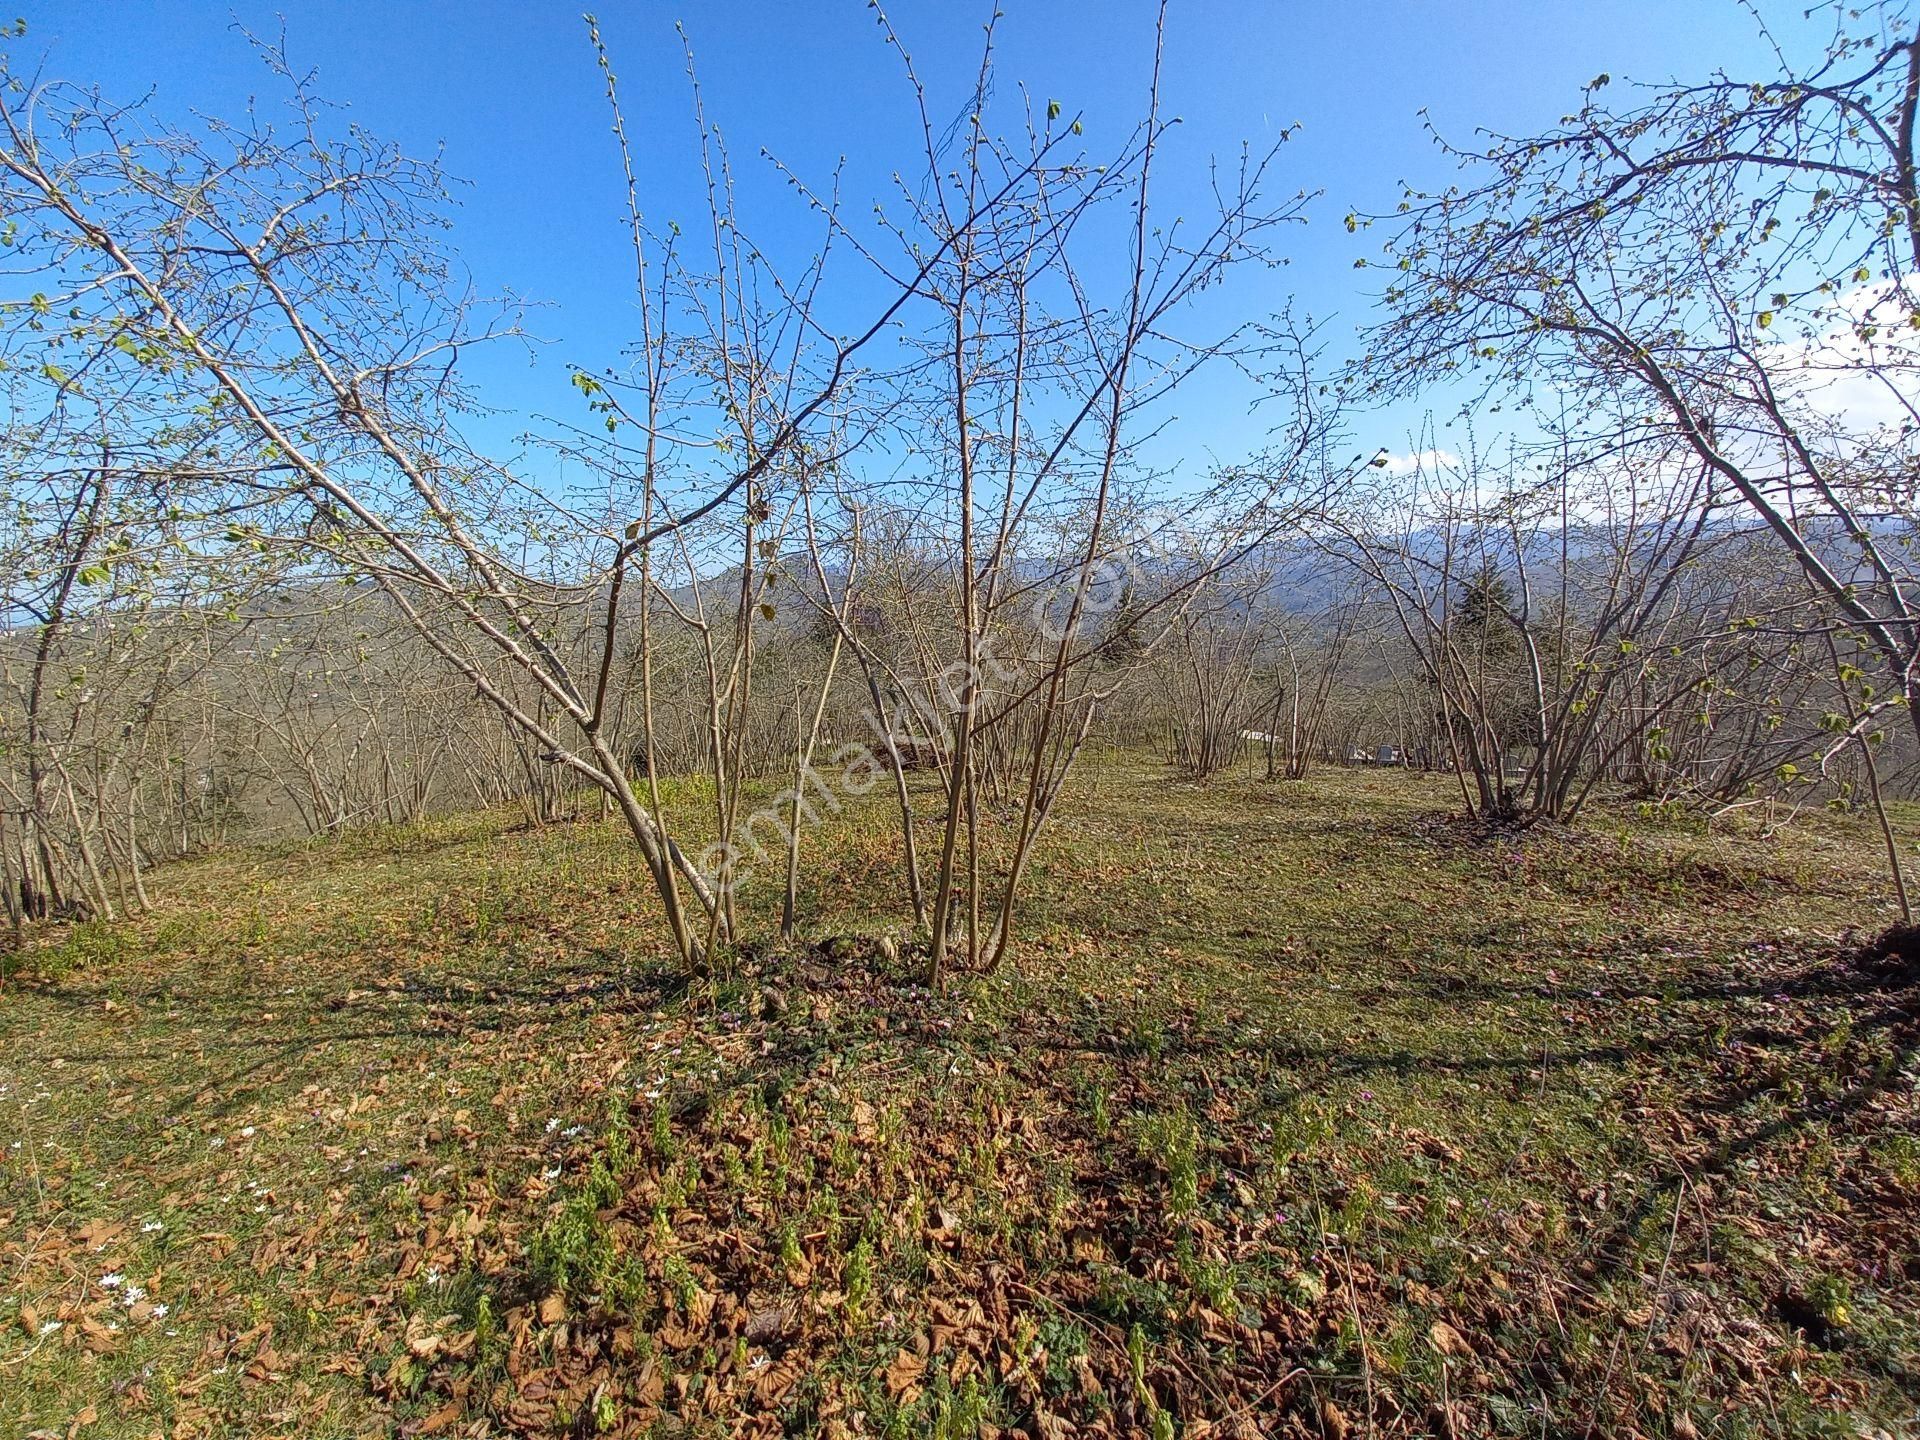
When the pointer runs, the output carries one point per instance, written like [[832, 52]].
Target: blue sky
[[511, 92]]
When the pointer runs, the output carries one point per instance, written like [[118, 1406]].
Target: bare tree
[[1731, 263], [1537, 602], [294, 270]]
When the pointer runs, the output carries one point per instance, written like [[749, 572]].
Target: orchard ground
[[1309, 1110]]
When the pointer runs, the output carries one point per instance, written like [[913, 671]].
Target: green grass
[[1306, 1107]]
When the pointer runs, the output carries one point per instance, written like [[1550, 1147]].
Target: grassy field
[[1310, 1111]]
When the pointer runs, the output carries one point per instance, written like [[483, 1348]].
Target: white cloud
[[1412, 461], [1867, 381]]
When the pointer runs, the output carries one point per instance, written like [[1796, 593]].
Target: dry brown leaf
[[776, 1380], [267, 1365], [99, 1233], [768, 1325], [440, 1419], [700, 1309], [904, 1375]]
